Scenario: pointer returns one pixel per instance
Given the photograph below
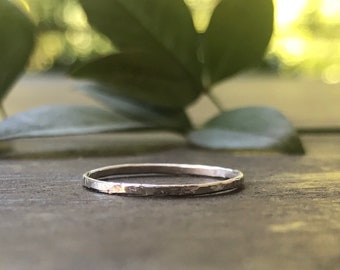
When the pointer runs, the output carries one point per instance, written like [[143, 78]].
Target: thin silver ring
[[223, 179]]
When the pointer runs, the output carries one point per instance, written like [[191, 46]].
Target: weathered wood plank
[[287, 217]]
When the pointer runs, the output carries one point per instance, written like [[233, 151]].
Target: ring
[[110, 179]]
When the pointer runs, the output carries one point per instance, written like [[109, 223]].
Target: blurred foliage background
[[306, 39]]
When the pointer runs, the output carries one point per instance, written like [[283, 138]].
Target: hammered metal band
[[220, 179]]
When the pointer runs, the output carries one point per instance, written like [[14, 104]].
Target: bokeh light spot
[[331, 74]]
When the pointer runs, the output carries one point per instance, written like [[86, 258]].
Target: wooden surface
[[287, 217]]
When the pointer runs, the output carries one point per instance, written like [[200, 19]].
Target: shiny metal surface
[[220, 179]]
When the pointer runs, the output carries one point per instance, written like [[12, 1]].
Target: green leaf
[[237, 37], [65, 120], [159, 117], [162, 27], [142, 76], [252, 128], [17, 39]]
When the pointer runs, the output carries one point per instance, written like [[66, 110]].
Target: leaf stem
[[3, 113], [215, 101]]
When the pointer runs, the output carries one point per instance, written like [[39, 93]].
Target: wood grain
[[287, 217]]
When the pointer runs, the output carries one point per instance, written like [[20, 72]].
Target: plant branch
[[215, 101], [3, 113]]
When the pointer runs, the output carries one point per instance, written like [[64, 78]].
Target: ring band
[[223, 179]]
